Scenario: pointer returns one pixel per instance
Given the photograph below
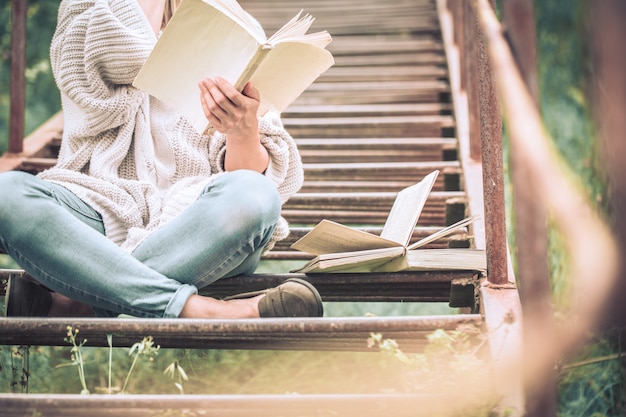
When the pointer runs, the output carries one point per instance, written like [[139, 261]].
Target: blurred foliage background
[[590, 385], [42, 97]]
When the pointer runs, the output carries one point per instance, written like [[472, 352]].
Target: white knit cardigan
[[132, 158]]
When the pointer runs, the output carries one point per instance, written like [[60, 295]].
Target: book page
[[288, 69], [353, 262], [233, 9], [444, 232], [329, 238], [295, 31], [406, 209], [446, 259], [198, 42]]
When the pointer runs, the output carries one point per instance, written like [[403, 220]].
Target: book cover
[[209, 38]]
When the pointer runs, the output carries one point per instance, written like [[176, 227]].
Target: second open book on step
[[339, 248]]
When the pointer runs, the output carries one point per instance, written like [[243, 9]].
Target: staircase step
[[372, 171], [375, 93], [293, 404], [324, 334], [414, 286], [383, 149], [381, 126], [368, 110]]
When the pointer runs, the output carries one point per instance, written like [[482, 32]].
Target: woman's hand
[[235, 114]]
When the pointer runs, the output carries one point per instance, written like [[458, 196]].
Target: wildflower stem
[[110, 342], [130, 371]]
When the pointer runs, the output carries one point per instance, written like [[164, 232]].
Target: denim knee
[[14, 186], [257, 195], [12, 182]]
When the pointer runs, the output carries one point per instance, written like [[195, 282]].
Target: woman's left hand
[[235, 114], [228, 110]]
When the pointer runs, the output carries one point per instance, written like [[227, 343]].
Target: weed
[[175, 370], [449, 357], [146, 348], [77, 356]]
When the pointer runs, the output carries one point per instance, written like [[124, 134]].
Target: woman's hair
[[168, 11]]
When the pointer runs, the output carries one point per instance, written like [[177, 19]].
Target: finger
[[213, 112], [215, 100], [250, 91], [221, 97], [229, 91]]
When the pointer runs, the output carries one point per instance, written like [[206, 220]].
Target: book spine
[[254, 63]]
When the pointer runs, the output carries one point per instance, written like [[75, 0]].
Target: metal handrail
[[18, 77], [588, 236], [593, 250]]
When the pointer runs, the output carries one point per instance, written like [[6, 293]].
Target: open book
[[340, 248], [209, 38]]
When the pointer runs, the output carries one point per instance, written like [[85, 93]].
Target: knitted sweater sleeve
[[285, 165], [96, 51]]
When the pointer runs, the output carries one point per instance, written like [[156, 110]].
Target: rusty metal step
[[236, 405], [325, 334], [368, 126]]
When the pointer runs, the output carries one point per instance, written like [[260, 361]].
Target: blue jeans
[[59, 240]]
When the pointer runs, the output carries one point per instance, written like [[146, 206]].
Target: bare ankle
[[205, 307]]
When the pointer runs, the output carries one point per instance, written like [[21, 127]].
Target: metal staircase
[[382, 118]]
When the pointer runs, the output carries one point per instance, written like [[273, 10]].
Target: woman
[[141, 210]]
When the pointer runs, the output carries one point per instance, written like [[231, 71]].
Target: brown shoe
[[293, 298], [25, 298]]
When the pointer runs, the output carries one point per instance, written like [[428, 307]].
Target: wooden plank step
[[414, 59], [364, 20], [383, 73], [381, 144], [388, 86], [354, 6], [373, 110], [373, 155], [367, 21], [368, 45], [257, 405], [364, 208], [321, 334], [365, 110], [382, 185], [454, 287], [358, 201], [358, 93], [368, 127], [372, 171], [314, 153], [347, 13], [335, 9], [415, 286]]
